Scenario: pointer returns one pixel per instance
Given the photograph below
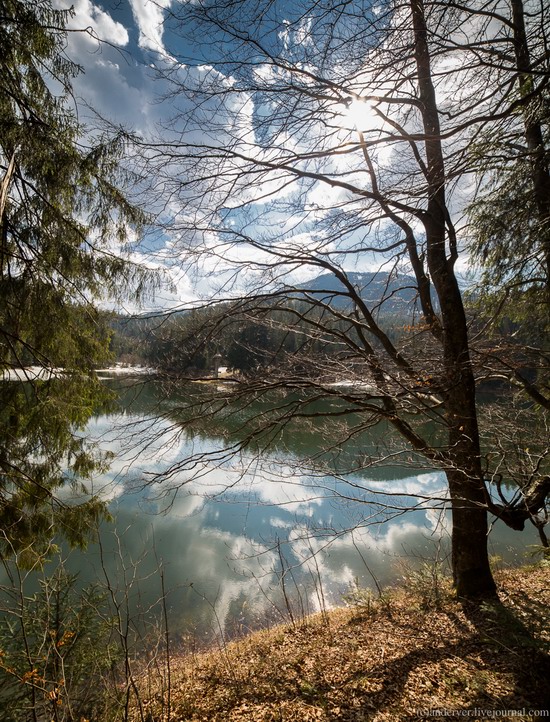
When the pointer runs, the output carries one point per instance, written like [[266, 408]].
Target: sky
[[126, 43], [120, 52], [115, 70], [122, 45]]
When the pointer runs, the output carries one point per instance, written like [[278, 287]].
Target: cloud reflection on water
[[222, 531]]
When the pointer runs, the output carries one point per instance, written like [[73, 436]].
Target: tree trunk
[[471, 571], [472, 574], [533, 134]]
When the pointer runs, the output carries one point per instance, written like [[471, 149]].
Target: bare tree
[[326, 140]]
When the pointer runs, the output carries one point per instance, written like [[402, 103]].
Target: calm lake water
[[233, 537]]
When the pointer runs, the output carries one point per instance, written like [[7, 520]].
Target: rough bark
[[471, 570], [533, 134]]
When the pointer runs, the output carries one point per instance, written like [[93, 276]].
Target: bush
[[55, 653]]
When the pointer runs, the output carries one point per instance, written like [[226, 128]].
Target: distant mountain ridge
[[388, 292]]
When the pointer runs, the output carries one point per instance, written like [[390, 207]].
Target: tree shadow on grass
[[393, 663], [504, 640], [495, 661], [513, 632]]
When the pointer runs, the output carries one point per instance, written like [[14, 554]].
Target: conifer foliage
[[62, 218]]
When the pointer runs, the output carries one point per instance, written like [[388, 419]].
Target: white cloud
[[149, 16], [90, 16]]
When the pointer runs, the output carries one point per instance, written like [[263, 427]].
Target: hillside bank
[[413, 653]]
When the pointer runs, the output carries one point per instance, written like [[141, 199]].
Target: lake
[[240, 540]]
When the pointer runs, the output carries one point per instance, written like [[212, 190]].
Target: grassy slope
[[382, 660]]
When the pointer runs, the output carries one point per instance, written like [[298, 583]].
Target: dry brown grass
[[384, 661]]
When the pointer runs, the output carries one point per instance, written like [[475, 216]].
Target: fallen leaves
[[381, 665]]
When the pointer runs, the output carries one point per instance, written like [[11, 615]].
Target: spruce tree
[[62, 214]]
